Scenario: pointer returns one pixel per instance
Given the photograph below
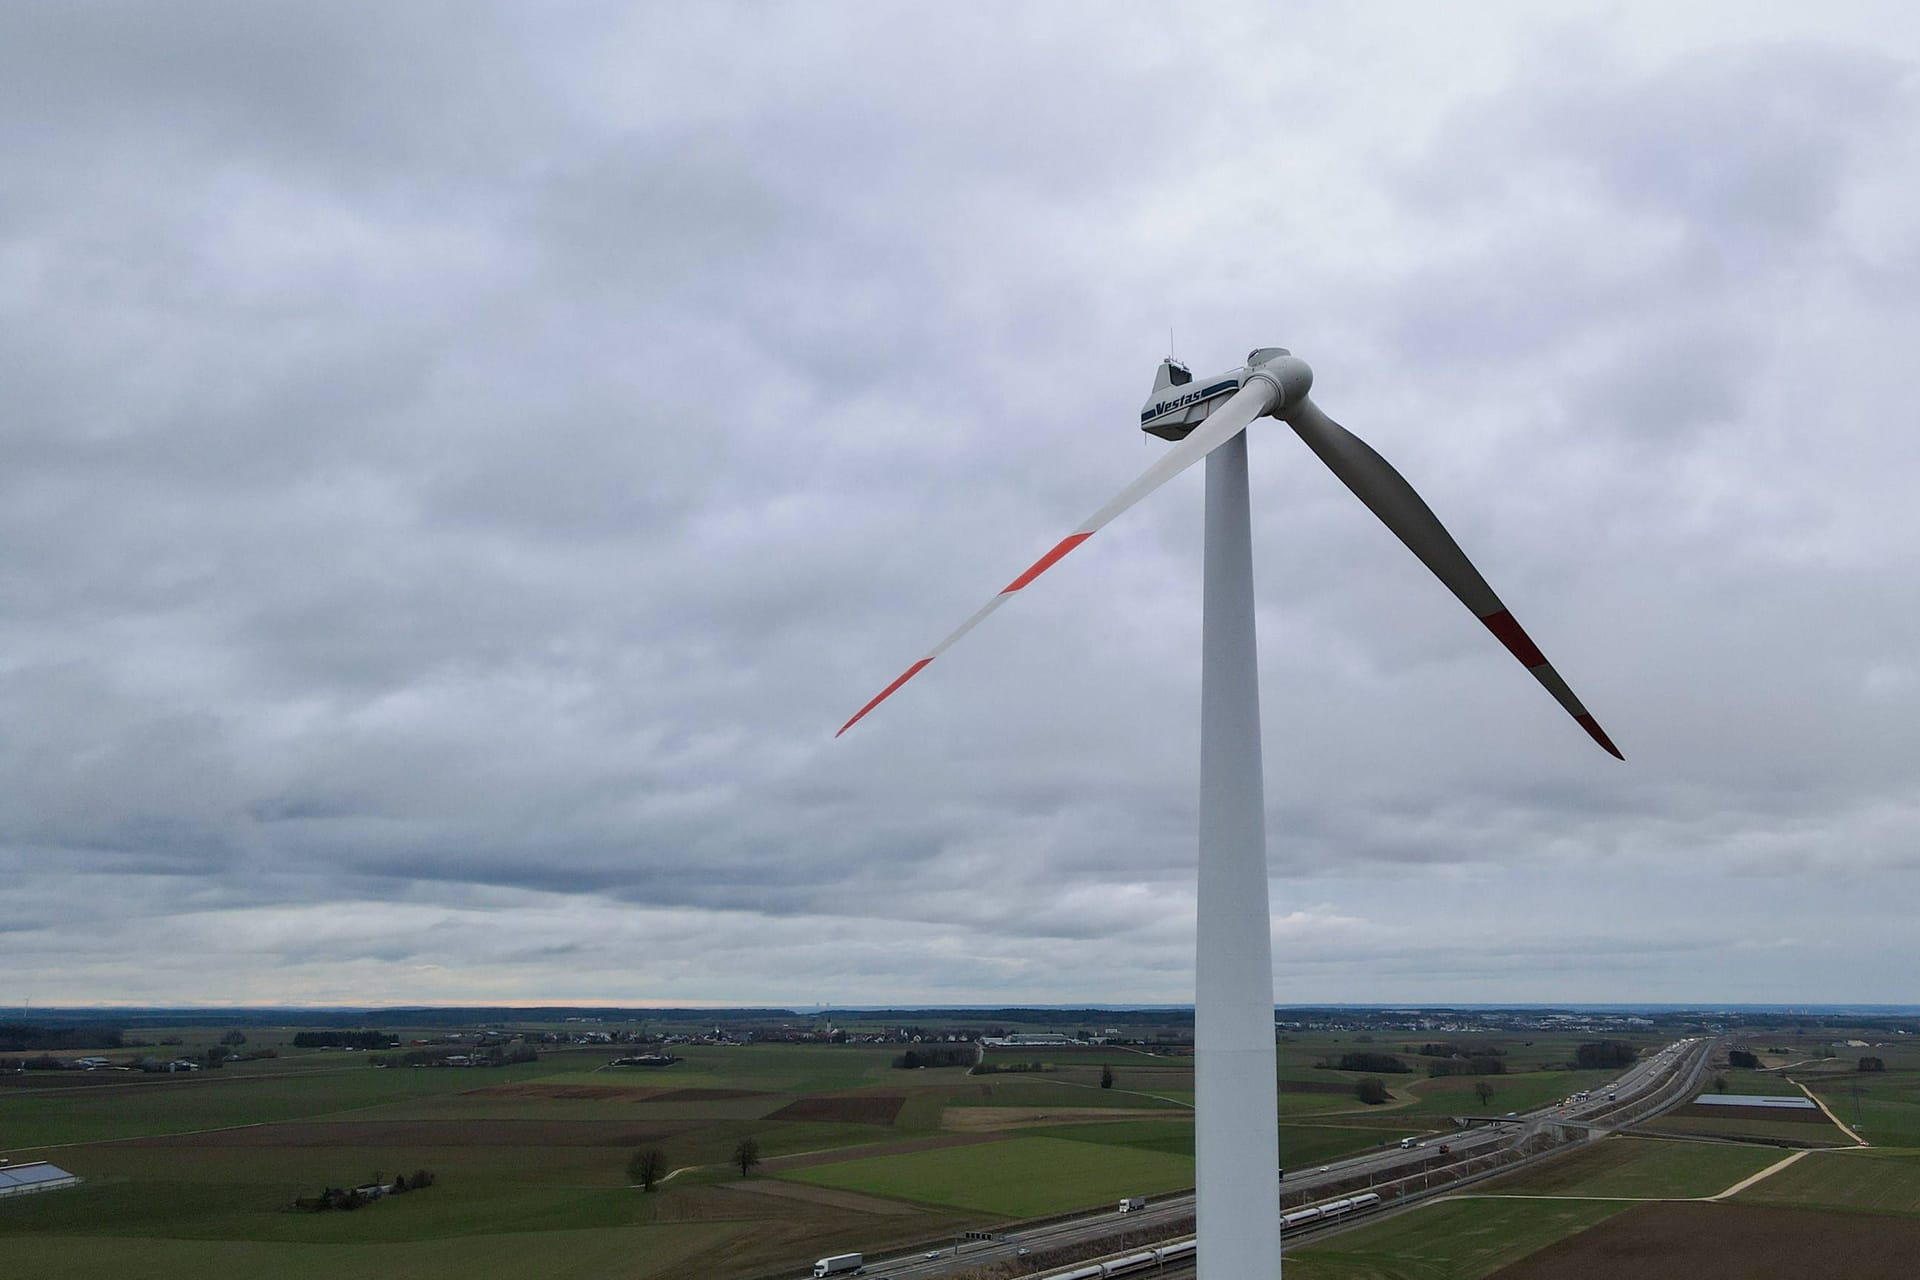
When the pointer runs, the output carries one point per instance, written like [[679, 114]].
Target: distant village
[[504, 1040]]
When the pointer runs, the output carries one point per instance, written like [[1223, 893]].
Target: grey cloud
[[463, 465]]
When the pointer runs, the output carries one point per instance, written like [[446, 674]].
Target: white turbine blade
[[1388, 495], [1231, 418]]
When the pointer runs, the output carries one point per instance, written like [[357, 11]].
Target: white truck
[[1133, 1202], [840, 1264]]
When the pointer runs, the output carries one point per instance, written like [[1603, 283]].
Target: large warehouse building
[[38, 1175]]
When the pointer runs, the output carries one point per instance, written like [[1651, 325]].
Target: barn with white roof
[[36, 1175]]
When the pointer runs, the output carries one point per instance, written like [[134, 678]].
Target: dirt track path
[[1761, 1176], [1837, 1123]]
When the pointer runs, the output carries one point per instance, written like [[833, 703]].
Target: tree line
[[935, 1055], [1601, 1055], [345, 1040], [18, 1036]]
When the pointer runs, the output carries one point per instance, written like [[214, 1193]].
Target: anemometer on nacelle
[[1177, 405]]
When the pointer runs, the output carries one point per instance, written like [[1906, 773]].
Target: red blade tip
[[885, 693], [1599, 735]]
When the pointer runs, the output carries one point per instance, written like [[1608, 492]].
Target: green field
[[1018, 1178], [1888, 1105], [1454, 1095], [148, 1105], [184, 1172], [1642, 1168], [1764, 1083], [669, 1250], [1169, 1137], [1301, 1146], [1448, 1240], [1862, 1181], [782, 1068]]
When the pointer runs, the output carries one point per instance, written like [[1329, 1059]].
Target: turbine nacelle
[[1179, 402]]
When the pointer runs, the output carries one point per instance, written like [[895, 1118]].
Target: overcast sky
[[461, 464]]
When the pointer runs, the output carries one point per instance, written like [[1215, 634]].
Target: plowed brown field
[[851, 1109], [582, 1092], [707, 1095], [1792, 1115], [1316, 1086], [1721, 1241]]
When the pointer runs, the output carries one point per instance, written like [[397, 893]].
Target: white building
[[35, 1175]]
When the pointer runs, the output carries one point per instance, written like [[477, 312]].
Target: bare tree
[[1483, 1091], [647, 1167], [747, 1155]]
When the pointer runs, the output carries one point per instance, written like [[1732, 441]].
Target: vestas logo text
[[1168, 406], [1181, 402]]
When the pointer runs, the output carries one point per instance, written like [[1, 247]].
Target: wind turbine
[[1236, 1122]]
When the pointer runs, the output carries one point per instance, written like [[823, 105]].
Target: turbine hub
[[1291, 376]]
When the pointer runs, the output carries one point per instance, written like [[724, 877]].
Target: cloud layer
[[463, 463]]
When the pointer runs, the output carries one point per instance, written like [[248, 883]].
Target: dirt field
[[1683, 1241], [579, 1092], [707, 1095], [1317, 1086], [850, 1109], [1792, 1115]]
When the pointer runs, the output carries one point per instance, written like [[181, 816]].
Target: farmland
[[528, 1159], [531, 1157], [1829, 1212], [1022, 1177], [1455, 1239], [1678, 1241], [1644, 1168], [1857, 1181]]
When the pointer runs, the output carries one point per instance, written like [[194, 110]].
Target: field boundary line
[[1137, 1093], [1517, 1195], [1764, 1174], [1838, 1124]]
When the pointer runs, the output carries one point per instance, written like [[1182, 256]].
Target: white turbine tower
[[1236, 1125]]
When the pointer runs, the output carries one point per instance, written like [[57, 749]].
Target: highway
[[1649, 1086]]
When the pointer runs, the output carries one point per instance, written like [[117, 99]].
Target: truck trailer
[[840, 1264]]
